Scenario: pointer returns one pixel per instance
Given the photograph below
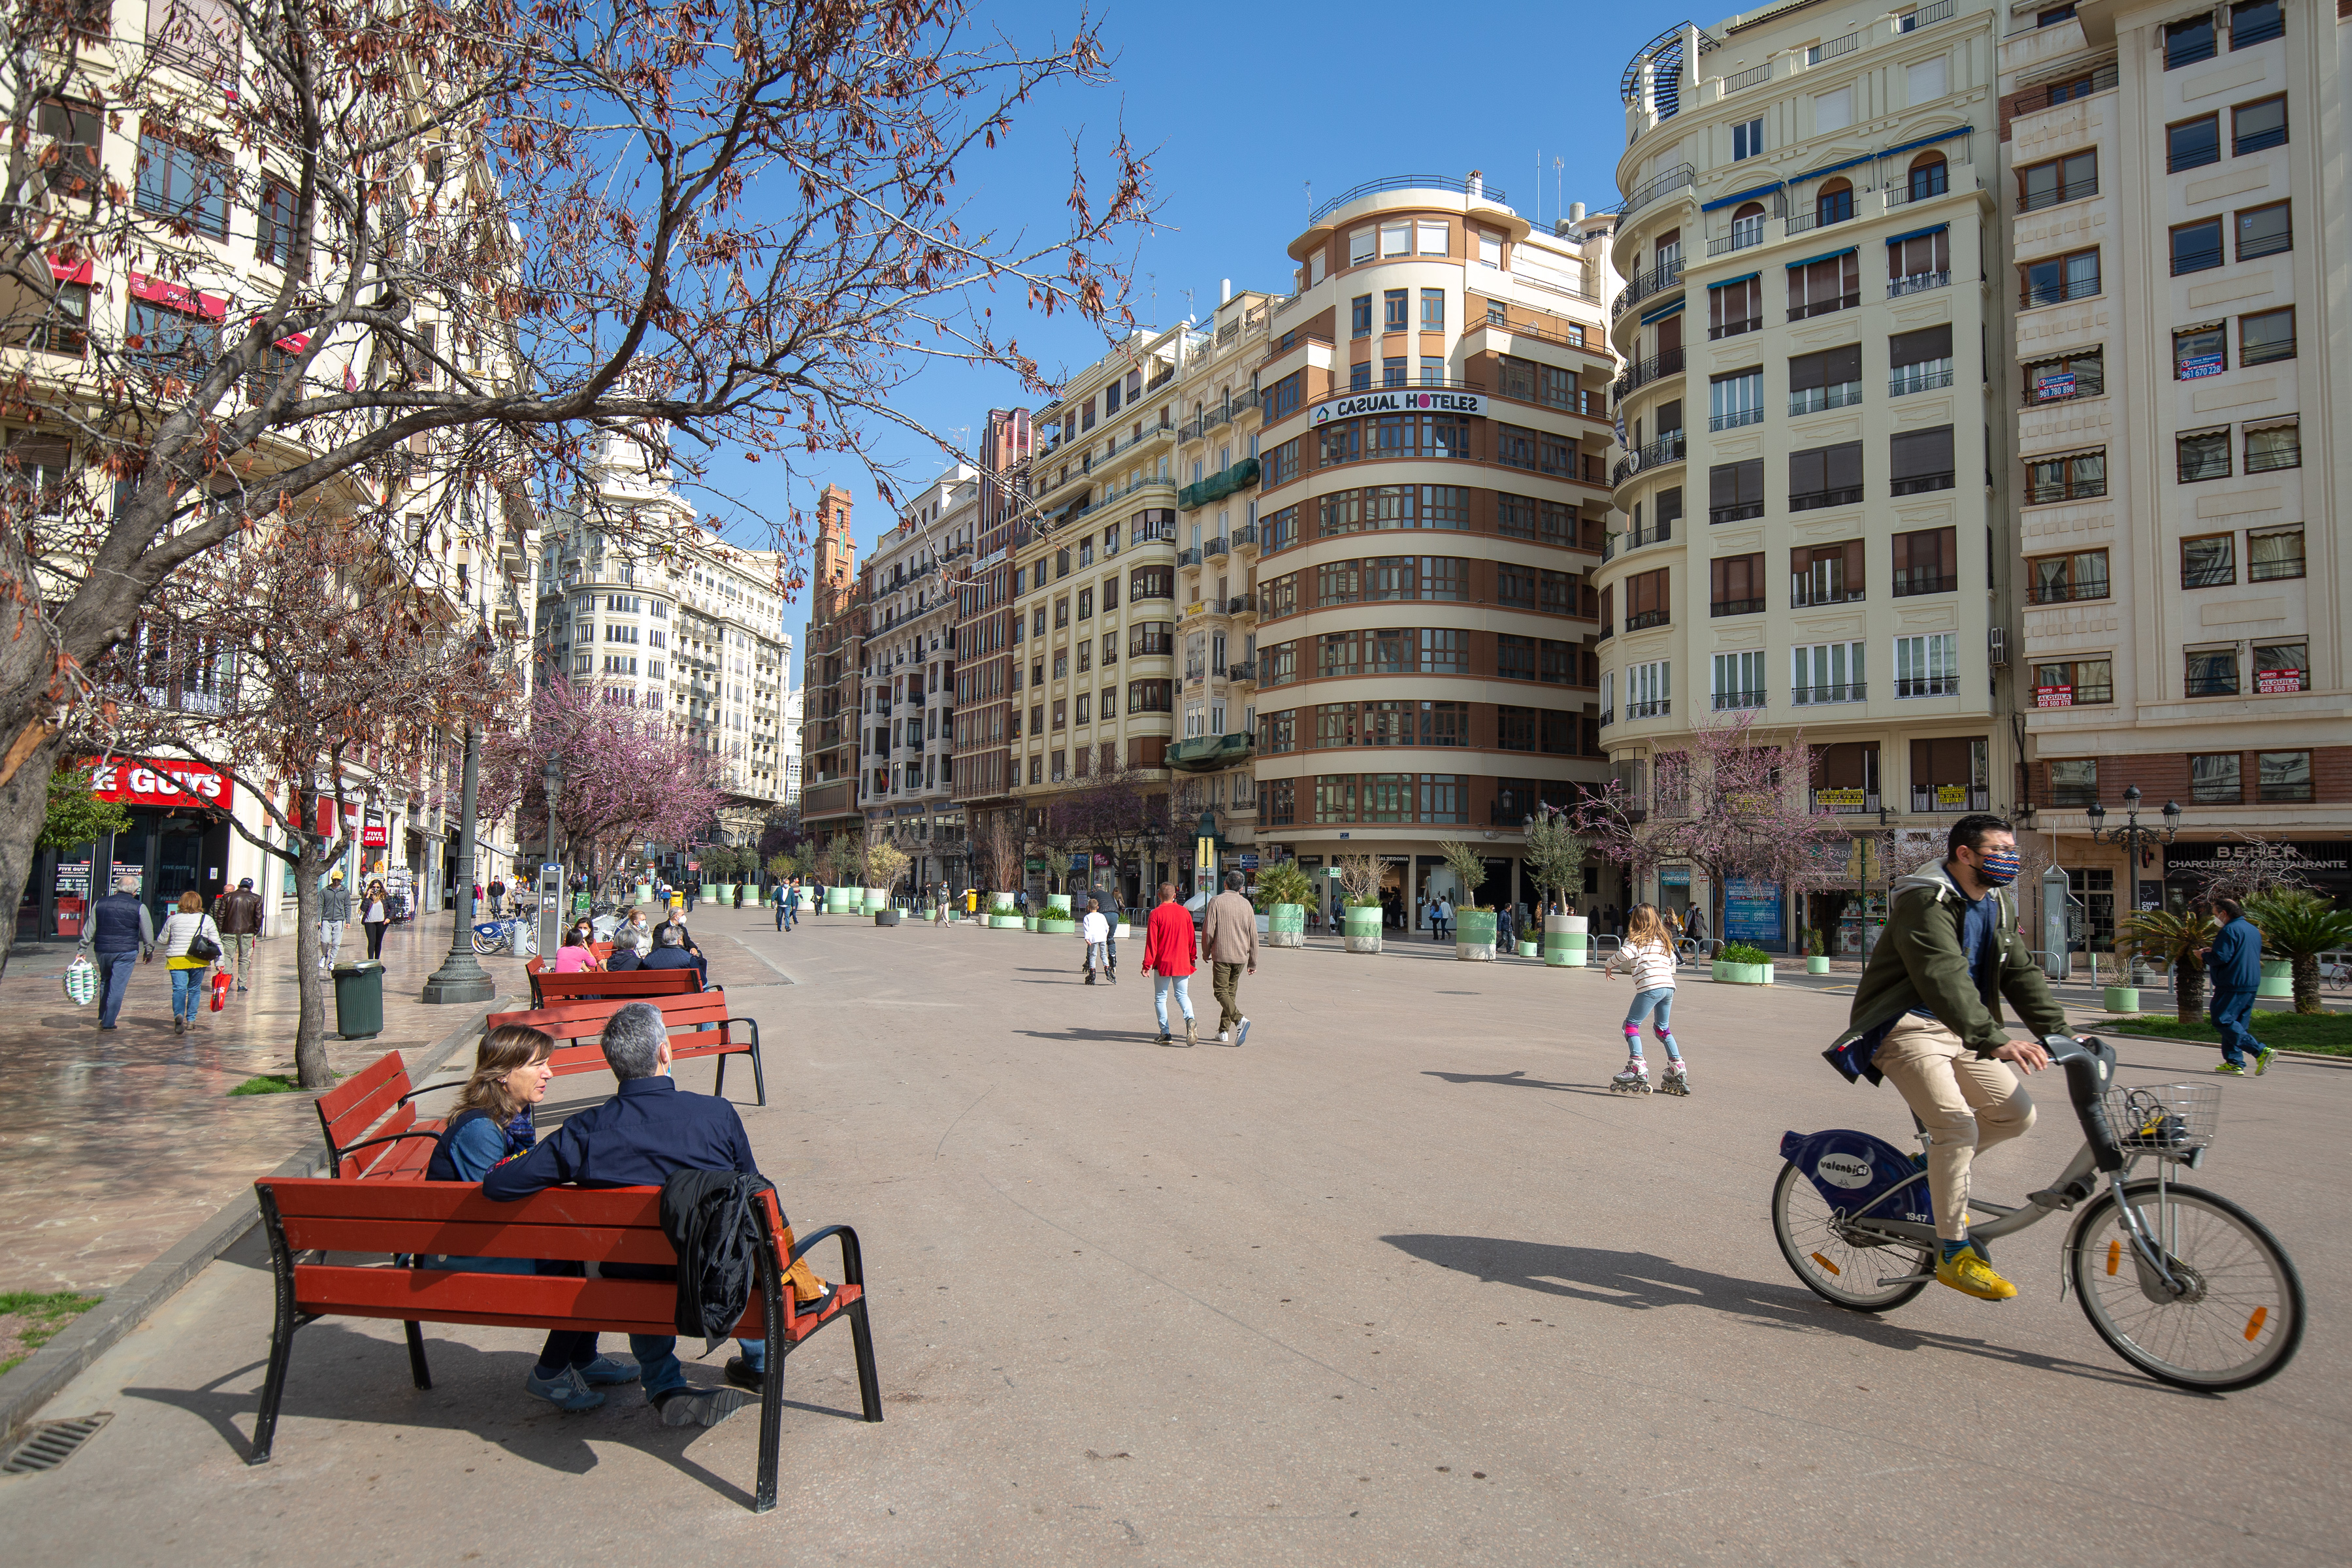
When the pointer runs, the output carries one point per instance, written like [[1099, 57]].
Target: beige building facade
[[908, 711]]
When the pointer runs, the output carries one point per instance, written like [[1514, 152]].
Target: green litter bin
[[359, 1000]]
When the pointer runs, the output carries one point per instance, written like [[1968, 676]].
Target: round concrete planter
[[876, 900], [1285, 926], [2278, 978], [886, 917], [645, 893], [1361, 929], [1048, 926], [1118, 932], [1474, 936], [1029, 922], [1058, 902], [1816, 964], [1003, 922], [1529, 949], [1564, 941], [2121, 999], [836, 900], [723, 891], [1743, 974]]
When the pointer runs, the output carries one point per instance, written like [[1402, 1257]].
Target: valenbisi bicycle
[[515, 934], [2180, 1282]]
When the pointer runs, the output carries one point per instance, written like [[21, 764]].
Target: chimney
[[1478, 184], [1576, 212], [1225, 290]]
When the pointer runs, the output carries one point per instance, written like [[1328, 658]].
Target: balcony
[[1612, 545], [1814, 501], [1744, 233], [1245, 536], [2101, 79], [1666, 275], [1820, 399], [1918, 283], [1928, 686], [1241, 605], [1207, 754], [1819, 696], [1643, 372], [1922, 484], [1608, 717], [1808, 593], [1911, 582], [1926, 377], [1642, 620], [1720, 607], [1215, 548], [2066, 592], [1732, 419], [1738, 512], [1188, 556], [1844, 802], [1727, 701], [1950, 797], [1651, 190], [2058, 293], [1219, 485], [1242, 673], [1657, 709], [2051, 195], [1667, 449]]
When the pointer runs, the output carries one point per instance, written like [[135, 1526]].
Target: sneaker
[[604, 1372], [1225, 1036], [566, 1390], [2233, 1068], [1164, 1039], [1970, 1275], [2262, 1060], [1192, 1034], [698, 1406], [1241, 1035]]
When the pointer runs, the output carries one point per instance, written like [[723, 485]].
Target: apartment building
[[984, 696], [1431, 489], [1815, 524], [908, 711], [832, 676], [2178, 178]]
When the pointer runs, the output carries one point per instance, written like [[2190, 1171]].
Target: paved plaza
[[1399, 1282]]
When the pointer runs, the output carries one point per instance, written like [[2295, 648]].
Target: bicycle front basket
[[2164, 1118]]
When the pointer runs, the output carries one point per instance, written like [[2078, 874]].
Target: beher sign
[[1398, 400], [132, 780]]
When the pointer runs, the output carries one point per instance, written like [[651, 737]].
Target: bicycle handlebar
[[2089, 1066]]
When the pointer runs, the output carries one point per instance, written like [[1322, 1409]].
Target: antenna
[[1556, 176], [1310, 199], [1539, 187]]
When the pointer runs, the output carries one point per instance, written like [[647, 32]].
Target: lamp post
[[461, 977], [1204, 851], [2136, 841]]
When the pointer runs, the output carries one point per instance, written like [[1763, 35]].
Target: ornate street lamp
[[2136, 841]]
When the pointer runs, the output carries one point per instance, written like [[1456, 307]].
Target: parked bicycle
[[515, 934], [2180, 1282]]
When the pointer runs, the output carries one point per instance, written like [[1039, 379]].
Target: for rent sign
[[136, 781]]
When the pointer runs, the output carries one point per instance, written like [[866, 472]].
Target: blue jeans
[[657, 1365], [2229, 1010], [1160, 984], [187, 990], [1646, 1004], [113, 984]]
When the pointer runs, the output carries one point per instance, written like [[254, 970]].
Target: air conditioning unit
[[2000, 641]]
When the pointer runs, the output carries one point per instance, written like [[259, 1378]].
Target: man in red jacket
[[1168, 953]]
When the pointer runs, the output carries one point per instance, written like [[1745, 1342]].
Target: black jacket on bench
[[709, 1218]]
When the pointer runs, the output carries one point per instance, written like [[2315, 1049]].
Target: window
[[1918, 262], [1927, 562], [2256, 22], [1151, 696], [1362, 246], [2074, 276], [1736, 308], [1335, 724], [2059, 180], [2275, 555], [2074, 780], [2192, 143], [1432, 370], [1445, 577], [2064, 579], [2199, 352], [2197, 247], [1396, 237], [167, 339], [1738, 680], [1393, 310], [1085, 603], [2077, 683], [1646, 600], [1444, 652], [63, 326], [2265, 336], [1833, 111], [1735, 491], [1833, 203], [2212, 671], [1925, 81], [1281, 463], [1736, 584], [1277, 665], [1824, 574], [2077, 476], [1930, 175], [1277, 733], [1443, 724], [1336, 654], [1825, 476], [1921, 461], [1335, 798], [2282, 667], [2271, 447], [1433, 237], [2081, 375], [2186, 43], [1515, 446], [1080, 716], [2265, 230], [1746, 226], [180, 183], [1061, 613], [2054, 15], [1392, 371], [1735, 399], [1649, 689], [1926, 666], [1746, 139], [1826, 672], [1559, 387], [1490, 249], [1831, 379], [1515, 585], [1818, 287], [2283, 775], [1338, 583], [2214, 778], [273, 232], [1515, 657], [2204, 455], [2257, 125], [1433, 310]]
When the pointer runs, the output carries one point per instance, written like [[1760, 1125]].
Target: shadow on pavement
[[1519, 1078], [1109, 1036], [1641, 1281]]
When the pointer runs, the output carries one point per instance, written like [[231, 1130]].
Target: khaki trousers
[[1966, 1102], [1226, 982]]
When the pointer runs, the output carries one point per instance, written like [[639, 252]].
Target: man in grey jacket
[[334, 913], [1229, 942]]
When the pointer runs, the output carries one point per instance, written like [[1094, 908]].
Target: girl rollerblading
[[1649, 954]]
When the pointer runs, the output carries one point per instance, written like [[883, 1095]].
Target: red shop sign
[[375, 836], [133, 781], [178, 297]]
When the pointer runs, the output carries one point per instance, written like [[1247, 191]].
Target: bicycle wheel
[[2242, 1318], [1835, 1269]]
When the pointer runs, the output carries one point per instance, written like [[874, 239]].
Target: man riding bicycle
[[1928, 1017]]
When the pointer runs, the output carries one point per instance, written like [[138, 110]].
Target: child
[[1649, 952], [1096, 931]]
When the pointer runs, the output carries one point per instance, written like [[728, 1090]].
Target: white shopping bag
[[82, 980]]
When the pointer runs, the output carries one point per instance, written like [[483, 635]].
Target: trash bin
[[359, 1000]]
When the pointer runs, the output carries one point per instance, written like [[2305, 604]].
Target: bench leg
[[758, 1076], [417, 1370], [870, 1380], [772, 1381], [281, 1335], [718, 1084]]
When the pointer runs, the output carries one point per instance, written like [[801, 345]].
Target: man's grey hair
[[1233, 881], [632, 1041], [666, 936]]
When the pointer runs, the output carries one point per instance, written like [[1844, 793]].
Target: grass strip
[[37, 1317], [2328, 1033]]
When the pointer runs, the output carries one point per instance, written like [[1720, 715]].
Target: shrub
[[1741, 952], [1283, 883]]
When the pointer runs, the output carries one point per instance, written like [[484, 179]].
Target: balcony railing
[[1657, 280], [1188, 556], [1455, 182], [1921, 484], [2065, 592], [1246, 534], [1666, 448], [2058, 293], [1608, 717], [1735, 607], [1744, 235], [1928, 686], [1738, 512], [1819, 399], [1909, 379], [1215, 547], [1727, 700], [1650, 190], [1241, 605], [1815, 696], [1844, 801], [1814, 500], [1806, 312], [1642, 620], [1641, 373], [1734, 418], [1918, 283], [2065, 191], [1242, 673], [1805, 593], [1915, 581], [1950, 797], [2101, 79], [1659, 708]]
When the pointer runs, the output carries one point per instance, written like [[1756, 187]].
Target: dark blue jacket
[[2237, 956], [670, 958], [119, 922], [634, 1138]]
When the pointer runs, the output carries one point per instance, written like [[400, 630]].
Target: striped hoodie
[[1652, 963]]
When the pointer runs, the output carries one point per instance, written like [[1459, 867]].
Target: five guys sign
[[133, 781]]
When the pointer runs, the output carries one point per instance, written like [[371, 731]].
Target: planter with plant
[[1555, 853], [1058, 919], [1359, 921], [1003, 912], [1817, 954], [1283, 891], [1474, 924], [2297, 926], [1737, 963], [2168, 941]]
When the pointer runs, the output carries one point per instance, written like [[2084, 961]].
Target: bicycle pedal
[[2064, 1198]]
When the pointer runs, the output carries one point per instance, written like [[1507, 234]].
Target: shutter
[[1844, 465], [1920, 347], [1841, 365], [1808, 471], [1806, 371], [1917, 453]]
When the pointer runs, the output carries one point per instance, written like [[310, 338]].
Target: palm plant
[[1285, 883], [2298, 926], [2177, 942]]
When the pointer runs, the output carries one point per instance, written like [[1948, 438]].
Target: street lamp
[[2136, 841]]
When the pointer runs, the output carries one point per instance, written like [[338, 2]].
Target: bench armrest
[[853, 1258], [347, 1151], [754, 1024]]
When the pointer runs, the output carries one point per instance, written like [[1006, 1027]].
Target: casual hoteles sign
[[1398, 400]]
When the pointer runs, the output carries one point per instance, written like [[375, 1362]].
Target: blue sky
[[1239, 108]]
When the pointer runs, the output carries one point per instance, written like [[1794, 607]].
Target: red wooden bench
[[305, 1217], [699, 1026], [370, 1110], [546, 987]]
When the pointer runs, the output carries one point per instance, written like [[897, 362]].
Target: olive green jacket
[[1919, 963]]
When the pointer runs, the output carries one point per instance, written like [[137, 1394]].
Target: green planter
[[1474, 936], [1528, 949], [1049, 926], [1029, 922], [1564, 941], [1743, 974], [2278, 978], [710, 892], [2121, 999], [876, 900], [1360, 929], [645, 892], [836, 900], [1817, 963], [1285, 925], [1058, 902]]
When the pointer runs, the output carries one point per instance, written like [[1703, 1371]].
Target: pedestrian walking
[[375, 914], [1094, 932], [497, 898], [2234, 965], [334, 913], [1229, 942], [119, 930], [1695, 927], [190, 941], [1649, 954], [239, 915], [1168, 959], [784, 905], [1445, 918]]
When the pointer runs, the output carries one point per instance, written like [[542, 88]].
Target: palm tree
[[2298, 926], [2177, 942]]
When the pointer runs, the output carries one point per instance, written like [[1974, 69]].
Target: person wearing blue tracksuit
[[2234, 966]]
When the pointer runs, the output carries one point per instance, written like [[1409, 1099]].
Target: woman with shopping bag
[[190, 941]]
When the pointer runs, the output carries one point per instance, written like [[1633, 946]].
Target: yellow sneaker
[[1972, 1276]]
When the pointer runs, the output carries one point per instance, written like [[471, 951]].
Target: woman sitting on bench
[[490, 1126], [575, 954]]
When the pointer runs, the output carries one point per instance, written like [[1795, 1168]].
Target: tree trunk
[[24, 807], [2188, 990], [311, 1032], [2304, 968]]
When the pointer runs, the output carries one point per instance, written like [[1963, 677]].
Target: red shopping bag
[[220, 990]]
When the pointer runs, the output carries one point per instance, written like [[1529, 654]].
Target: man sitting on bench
[[671, 951], [636, 1139]]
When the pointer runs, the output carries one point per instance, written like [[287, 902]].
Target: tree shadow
[[1642, 1282], [1519, 1079]]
